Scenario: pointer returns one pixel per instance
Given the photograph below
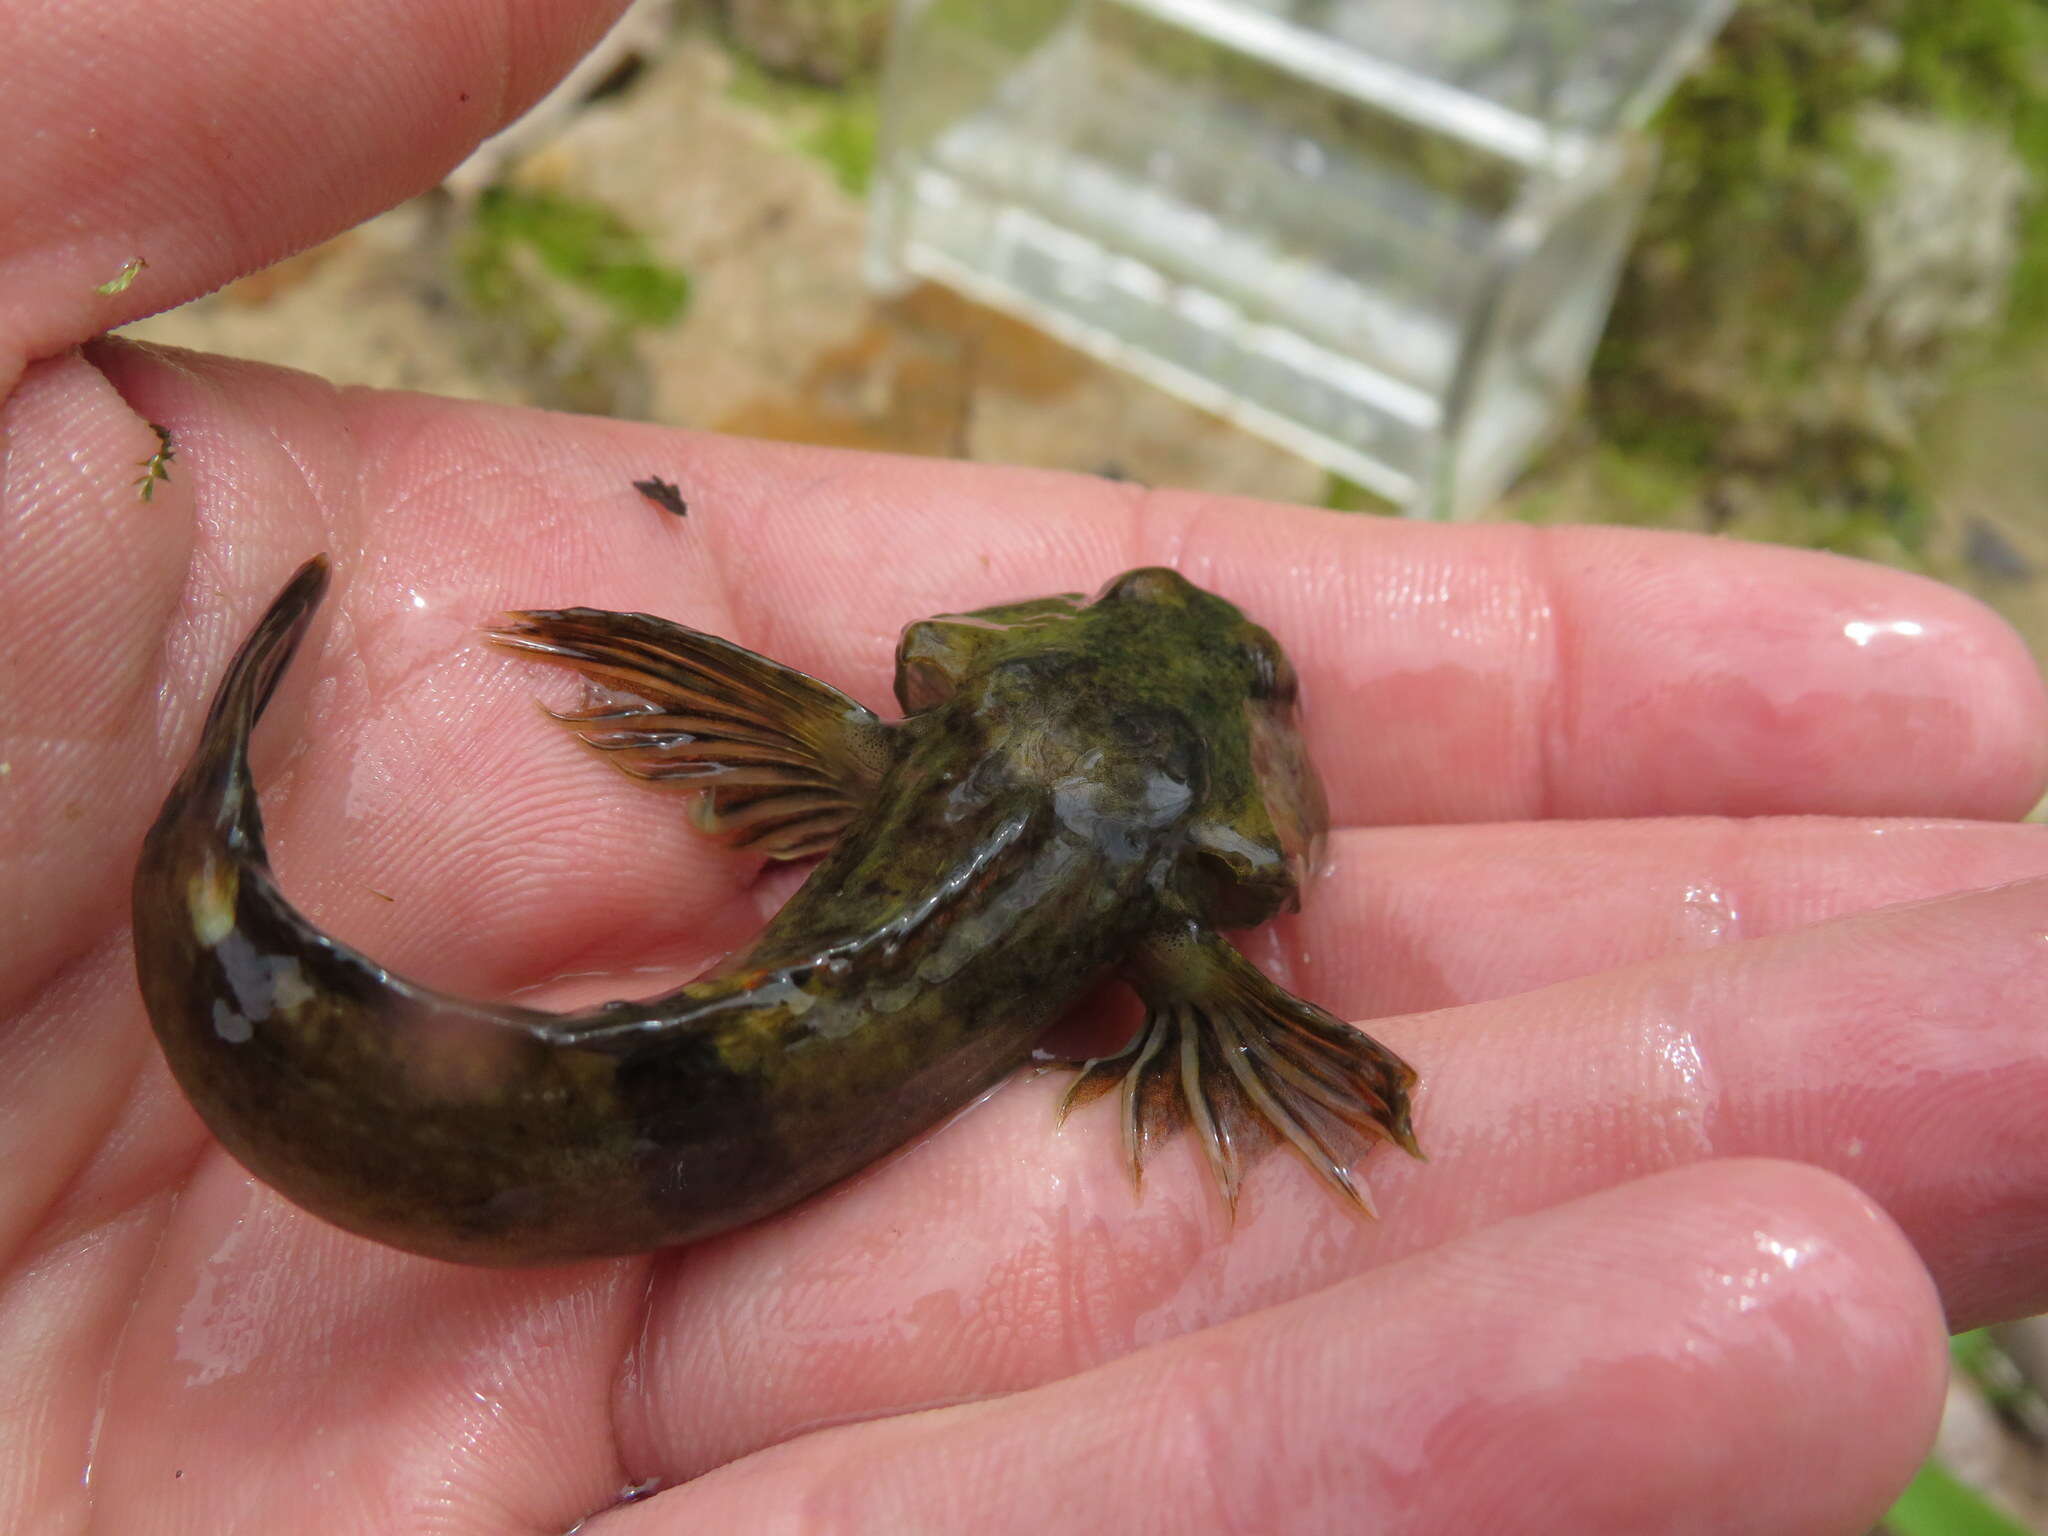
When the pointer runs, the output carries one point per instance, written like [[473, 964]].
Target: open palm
[[1615, 1300]]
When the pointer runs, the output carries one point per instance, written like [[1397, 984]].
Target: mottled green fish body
[[1077, 789]]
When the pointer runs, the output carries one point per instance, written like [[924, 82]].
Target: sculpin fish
[[1077, 789]]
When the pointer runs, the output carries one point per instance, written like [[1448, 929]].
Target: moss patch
[[837, 125], [583, 243], [1726, 356], [563, 285]]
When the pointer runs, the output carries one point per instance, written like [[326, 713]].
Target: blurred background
[[1776, 269]]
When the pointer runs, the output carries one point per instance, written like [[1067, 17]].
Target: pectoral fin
[[785, 760], [1250, 1067]]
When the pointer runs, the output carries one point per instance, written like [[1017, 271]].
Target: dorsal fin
[[785, 760]]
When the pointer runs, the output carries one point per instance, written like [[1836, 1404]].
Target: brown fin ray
[[785, 761], [1249, 1067]]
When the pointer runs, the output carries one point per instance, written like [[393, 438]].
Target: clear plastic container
[[1383, 233]]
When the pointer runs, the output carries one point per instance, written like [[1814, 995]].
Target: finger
[[1740, 1346], [208, 142], [1902, 1048], [1452, 674], [1538, 675], [600, 871], [87, 596], [1406, 919]]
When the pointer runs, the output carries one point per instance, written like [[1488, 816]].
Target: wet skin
[[1078, 788]]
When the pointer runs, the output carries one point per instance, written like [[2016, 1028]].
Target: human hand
[[1576, 1317]]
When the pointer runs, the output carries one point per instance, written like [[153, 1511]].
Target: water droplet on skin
[[1789, 1256], [219, 1330], [1864, 631], [1708, 918], [1750, 1284], [372, 789]]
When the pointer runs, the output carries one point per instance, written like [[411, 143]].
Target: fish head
[[1153, 657]]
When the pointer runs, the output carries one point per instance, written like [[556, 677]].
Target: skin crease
[[224, 1363]]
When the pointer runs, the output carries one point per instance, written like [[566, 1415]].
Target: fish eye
[[1273, 676], [1150, 584]]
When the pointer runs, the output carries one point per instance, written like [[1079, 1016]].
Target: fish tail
[[216, 788], [427, 1121]]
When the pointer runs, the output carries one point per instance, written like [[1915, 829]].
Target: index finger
[[1500, 673], [1475, 673], [1451, 674]]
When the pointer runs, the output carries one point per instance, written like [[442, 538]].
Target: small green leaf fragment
[[838, 124], [119, 282], [158, 465], [1991, 1371], [845, 140], [580, 242], [1342, 495], [1938, 1503]]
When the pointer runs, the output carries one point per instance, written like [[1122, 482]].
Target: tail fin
[[216, 785], [463, 1130]]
